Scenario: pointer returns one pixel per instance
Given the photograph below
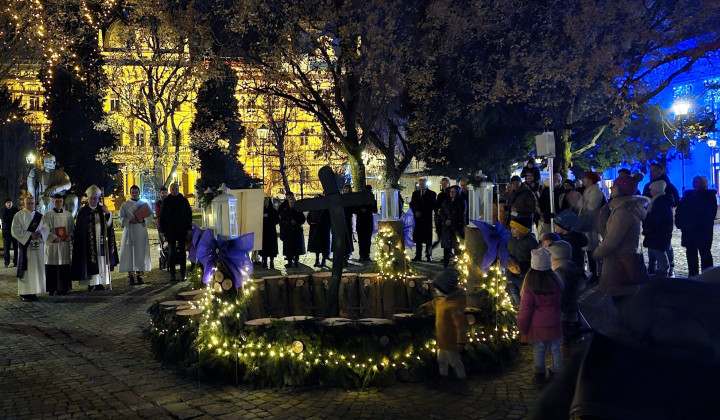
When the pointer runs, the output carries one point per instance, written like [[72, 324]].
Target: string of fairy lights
[[31, 22], [221, 334]]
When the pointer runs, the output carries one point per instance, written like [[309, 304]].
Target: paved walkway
[[83, 355]]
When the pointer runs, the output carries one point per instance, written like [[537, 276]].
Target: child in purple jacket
[[539, 318]]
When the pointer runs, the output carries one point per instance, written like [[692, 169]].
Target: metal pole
[[551, 184], [682, 155]]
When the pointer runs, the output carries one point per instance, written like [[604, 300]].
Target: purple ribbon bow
[[197, 233], [376, 219], [408, 221], [233, 253], [496, 238]]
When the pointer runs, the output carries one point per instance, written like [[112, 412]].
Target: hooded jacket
[[450, 322]]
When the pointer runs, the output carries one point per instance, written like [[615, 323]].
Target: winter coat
[[658, 225], [291, 234], [450, 322], [454, 211], [590, 205], [577, 241], [535, 171], [519, 249], [670, 190], [269, 232], [622, 236], [425, 204], [7, 218], [523, 201], [570, 274], [539, 318], [319, 236], [695, 216], [176, 218], [364, 218], [544, 203]]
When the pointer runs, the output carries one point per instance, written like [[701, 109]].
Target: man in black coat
[[657, 173], [695, 217], [439, 201], [657, 229], [364, 227], [175, 226], [422, 204], [8, 241]]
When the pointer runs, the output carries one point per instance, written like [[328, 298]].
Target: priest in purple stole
[[93, 228]]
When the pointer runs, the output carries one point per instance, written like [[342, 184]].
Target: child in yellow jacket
[[450, 322]]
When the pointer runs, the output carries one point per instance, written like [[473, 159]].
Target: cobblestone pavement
[[82, 355]]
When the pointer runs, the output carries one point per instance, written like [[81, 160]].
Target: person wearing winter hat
[[620, 240], [658, 172], [657, 229], [571, 275], [563, 200], [565, 223], [539, 318], [593, 200], [450, 325], [548, 238], [521, 242]]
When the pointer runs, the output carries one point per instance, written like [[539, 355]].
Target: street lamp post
[[712, 144], [681, 109], [262, 133]]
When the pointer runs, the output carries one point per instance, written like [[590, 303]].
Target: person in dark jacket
[[657, 228], [452, 219], [175, 226], [8, 241], [563, 200], [364, 227], [531, 168], [565, 223], [465, 195], [544, 202], [269, 241], [695, 217], [319, 236], [439, 201], [520, 244], [349, 212], [658, 173], [291, 232], [422, 204], [522, 200]]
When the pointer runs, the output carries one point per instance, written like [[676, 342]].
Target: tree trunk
[[357, 169]]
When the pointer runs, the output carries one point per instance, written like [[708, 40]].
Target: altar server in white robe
[[58, 227], [27, 230], [93, 230], [135, 245]]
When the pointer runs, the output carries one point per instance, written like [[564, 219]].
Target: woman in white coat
[[135, 246]]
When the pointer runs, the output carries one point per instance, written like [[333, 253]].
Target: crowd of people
[[602, 234]]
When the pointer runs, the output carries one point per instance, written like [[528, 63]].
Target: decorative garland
[[218, 345]]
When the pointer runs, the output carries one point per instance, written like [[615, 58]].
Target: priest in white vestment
[[134, 216], [58, 228], [93, 239], [27, 230]]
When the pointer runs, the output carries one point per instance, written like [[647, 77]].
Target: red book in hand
[[142, 212], [61, 232]]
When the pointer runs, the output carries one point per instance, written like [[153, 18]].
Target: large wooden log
[[387, 296], [320, 287], [402, 303], [349, 296], [258, 300], [276, 289], [418, 290], [300, 295], [370, 296], [476, 248], [395, 245], [192, 294]]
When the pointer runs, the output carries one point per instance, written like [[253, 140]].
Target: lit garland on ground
[[217, 344]]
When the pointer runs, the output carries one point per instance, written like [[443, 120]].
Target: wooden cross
[[335, 203]]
